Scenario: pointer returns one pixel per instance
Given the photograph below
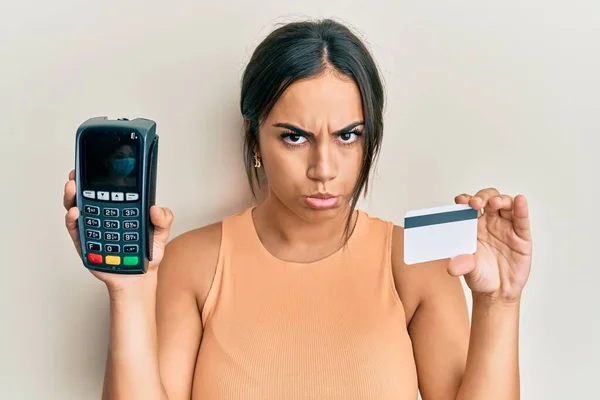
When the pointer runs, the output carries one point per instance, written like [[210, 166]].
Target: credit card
[[439, 232]]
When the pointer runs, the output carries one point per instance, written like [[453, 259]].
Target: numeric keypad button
[[130, 237], [112, 248], [92, 222], [111, 236], [111, 212], [91, 210], [111, 224], [130, 225], [130, 212], [92, 234]]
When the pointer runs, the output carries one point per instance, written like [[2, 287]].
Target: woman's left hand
[[500, 266]]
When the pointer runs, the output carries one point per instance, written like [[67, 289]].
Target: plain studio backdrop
[[479, 94]]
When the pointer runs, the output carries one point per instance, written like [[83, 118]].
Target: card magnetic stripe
[[440, 218]]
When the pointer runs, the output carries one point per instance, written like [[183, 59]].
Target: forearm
[[492, 370], [132, 370]]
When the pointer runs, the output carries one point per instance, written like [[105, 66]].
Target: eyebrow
[[302, 132]]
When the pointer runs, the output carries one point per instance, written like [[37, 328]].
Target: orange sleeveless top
[[330, 329]]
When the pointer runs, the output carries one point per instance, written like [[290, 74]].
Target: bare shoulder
[[419, 282], [190, 260], [184, 276]]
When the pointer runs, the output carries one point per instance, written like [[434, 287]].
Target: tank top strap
[[237, 232], [376, 232], [234, 242], [374, 242]]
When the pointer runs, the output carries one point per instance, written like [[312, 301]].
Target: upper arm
[[439, 327], [184, 277]]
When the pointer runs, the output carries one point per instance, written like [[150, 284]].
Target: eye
[[293, 139], [349, 137]]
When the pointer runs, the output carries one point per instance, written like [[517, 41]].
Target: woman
[[303, 296]]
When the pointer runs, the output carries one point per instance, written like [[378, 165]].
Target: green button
[[130, 260]]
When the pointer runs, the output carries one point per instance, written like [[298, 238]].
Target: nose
[[323, 163]]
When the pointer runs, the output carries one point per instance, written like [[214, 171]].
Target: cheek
[[284, 168], [352, 160]]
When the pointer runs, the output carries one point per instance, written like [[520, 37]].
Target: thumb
[[161, 218], [462, 264]]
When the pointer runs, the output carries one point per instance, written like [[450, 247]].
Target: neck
[[276, 221]]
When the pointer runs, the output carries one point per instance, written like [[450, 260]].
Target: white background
[[480, 93]]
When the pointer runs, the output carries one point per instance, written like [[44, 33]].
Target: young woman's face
[[311, 146]]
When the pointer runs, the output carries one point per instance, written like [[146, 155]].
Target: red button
[[95, 258]]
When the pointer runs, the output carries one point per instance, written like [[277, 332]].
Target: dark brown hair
[[300, 50]]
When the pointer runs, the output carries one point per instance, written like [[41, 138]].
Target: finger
[[521, 222], [466, 198], [462, 198], [504, 204], [72, 175], [69, 194], [506, 214], [477, 203], [71, 223], [71, 219], [480, 201], [487, 193], [481, 198], [461, 265], [161, 218], [499, 203]]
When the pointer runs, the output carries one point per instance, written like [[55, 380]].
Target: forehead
[[328, 100]]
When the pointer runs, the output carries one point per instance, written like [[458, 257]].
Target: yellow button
[[113, 260]]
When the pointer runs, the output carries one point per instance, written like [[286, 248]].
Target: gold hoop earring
[[257, 162]]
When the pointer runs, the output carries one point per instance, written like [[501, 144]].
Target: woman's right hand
[[162, 218]]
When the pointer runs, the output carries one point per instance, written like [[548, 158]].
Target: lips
[[321, 195], [321, 201]]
